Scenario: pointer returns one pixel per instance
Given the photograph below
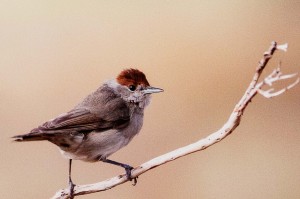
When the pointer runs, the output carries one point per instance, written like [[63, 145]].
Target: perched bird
[[104, 122]]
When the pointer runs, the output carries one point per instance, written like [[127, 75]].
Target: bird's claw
[[71, 188], [127, 168], [128, 174]]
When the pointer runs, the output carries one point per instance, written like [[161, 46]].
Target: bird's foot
[[128, 169], [71, 188]]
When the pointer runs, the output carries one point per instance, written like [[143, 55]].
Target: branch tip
[[282, 47]]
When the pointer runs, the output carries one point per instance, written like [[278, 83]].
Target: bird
[[101, 124]]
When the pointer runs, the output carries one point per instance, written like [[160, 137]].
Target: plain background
[[203, 53]]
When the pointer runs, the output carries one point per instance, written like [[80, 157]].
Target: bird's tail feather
[[28, 137]]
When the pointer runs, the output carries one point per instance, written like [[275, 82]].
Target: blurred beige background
[[203, 53]]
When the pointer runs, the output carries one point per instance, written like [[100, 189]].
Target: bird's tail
[[28, 137]]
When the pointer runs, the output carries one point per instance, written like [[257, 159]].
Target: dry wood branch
[[229, 126]]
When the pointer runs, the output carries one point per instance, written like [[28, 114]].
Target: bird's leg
[[71, 184], [127, 168]]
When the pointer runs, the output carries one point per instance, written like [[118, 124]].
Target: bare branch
[[227, 129], [269, 94]]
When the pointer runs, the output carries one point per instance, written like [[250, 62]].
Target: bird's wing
[[100, 111], [111, 116], [74, 120], [114, 114]]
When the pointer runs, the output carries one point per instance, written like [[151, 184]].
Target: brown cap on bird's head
[[132, 77]]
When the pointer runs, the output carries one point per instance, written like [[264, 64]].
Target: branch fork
[[275, 76], [233, 121]]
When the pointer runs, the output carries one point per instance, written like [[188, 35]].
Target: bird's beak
[[150, 89]]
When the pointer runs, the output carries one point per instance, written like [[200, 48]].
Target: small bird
[[104, 122]]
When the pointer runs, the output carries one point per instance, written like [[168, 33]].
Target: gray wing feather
[[94, 113]]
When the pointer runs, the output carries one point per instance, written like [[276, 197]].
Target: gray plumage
[[105, 121]]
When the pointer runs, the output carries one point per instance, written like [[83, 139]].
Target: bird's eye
[[132, 87]]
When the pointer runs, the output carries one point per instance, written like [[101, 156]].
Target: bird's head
[[135, 88]]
